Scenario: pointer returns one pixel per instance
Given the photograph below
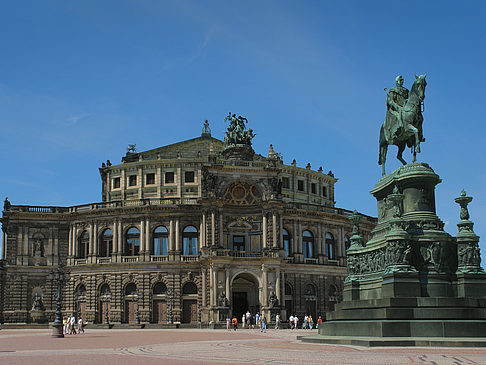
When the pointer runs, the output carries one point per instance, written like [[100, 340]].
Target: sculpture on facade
[[273, 300], [237, 134], [222, 300], [403, 122]]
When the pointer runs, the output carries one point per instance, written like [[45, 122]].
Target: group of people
[[308, 323], [69, 325], [249, 321]]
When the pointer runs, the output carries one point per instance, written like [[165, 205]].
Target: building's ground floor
[[206, 291]]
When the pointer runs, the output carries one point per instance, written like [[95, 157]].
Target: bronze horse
[[409, 133]]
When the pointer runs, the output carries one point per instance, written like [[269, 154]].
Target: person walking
[[311, 322], [235, 323], [264, 324], [80, 325], [72, 325], [243, 318], [291, 322], [319, 321], [228, 323], [277, 322], [296, 322]]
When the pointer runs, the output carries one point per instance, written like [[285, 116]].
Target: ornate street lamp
[[137, 318], [170, 294], [107, 319], [59, 275]]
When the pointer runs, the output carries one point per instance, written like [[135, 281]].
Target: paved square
[[196, 346]]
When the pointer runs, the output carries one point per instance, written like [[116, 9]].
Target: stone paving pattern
[[195, 346]]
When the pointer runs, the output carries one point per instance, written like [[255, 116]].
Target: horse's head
[[418, 87]]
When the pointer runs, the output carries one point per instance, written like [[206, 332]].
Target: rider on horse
[[395, 101]]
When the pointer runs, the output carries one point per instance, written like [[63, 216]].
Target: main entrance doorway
[[245, 295]]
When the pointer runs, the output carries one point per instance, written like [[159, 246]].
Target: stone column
[[213, 229], [277, 286], [171, 236], [70, 241], [265, 284], [319, 239], [142, 237], [177, 236], [227, 273], [4, 245], [203, 286], [281, 231], [91, 238], [221, 229], [75, 240], [299, 232], [95, 240], [203, 230], [274, 230], [120, 239], [214, 286], [114, 249], [147, 236], [295, 244], [264, 230]]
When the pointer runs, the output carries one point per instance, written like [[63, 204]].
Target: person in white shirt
[[296, 322], [80, 325]]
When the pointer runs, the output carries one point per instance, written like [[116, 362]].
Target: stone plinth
[[412, 281]]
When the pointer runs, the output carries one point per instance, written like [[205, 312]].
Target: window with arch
[[189, 288], [106, 243], [80, 292], [286, 241], [189, 240], [132, 242], [131, 289], [288, 289], [310, 290], [105, 291], [83, 244], [160, 241], [159, 289], [308, 244], [347, 243], [330, 246]]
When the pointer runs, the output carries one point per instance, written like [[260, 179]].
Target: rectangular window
[[150, 179], [116, 183], [300, 185], [169, 177], [132, 180], [285, 183], [313, 188], [189, 176], [324, 190]]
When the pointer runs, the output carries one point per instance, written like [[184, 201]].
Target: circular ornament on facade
[[242, 193]]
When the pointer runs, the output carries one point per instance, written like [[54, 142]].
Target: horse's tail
[[382, 137]]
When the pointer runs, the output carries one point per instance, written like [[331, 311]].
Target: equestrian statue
[[403, 122]]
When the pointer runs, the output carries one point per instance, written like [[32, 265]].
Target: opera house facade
[[187, 233]]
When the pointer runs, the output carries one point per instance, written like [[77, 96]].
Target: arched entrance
[[245, 295]]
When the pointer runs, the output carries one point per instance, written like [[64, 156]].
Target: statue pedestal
[[405, 286], [239, 152]]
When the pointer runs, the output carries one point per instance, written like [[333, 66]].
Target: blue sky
[[81, 80]]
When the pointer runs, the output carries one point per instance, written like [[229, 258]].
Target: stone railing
[[246, 254], [311, 261], [190, 258], [129, 258], [289, 260], [321, 208], [103, 260], [80, 261], [159, 258]]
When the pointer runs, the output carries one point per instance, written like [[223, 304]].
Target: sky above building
[[79, 81]]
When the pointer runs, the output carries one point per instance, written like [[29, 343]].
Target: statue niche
[[242, 193]]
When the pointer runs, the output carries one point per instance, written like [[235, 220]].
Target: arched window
[[286, 241], [131, 289], [189, 237], [80, 292], [189, 288], [132, 242], [105, 290], [159, 288], [160, 241], [308, 244], [347, 243], [330, 246], [288, 289], [83, 244], [310, 290], [106, 243]]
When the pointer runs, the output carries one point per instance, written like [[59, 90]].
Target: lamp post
[[137, 318], [107, 319], [170, 294], [59, 275]]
